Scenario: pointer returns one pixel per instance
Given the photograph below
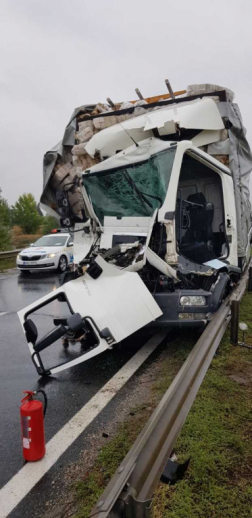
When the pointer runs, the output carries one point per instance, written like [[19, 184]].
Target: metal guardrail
[[9, 253], [129, 493]]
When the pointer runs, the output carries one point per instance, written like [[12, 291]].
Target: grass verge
[[216, 436], [5, 264]]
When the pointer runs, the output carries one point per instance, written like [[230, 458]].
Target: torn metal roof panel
[[201, 114]]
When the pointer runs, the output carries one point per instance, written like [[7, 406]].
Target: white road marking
[[26, 478], [2, 313]]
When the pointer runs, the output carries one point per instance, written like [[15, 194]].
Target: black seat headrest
[[197, 197], [31, 331]]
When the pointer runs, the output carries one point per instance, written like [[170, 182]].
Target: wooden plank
[[157, 98]]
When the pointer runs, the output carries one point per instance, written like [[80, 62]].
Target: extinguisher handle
[[28, 397], [45, 399]]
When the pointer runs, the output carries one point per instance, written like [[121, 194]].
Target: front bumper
[[176, 315], [42, 264]]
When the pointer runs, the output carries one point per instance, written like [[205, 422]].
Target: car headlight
[[192, 300], [51, 255], [18, 257]]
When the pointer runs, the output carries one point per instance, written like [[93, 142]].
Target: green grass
[[216, 436], [5, 264], [89, 488]]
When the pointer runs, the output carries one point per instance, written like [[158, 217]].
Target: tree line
[[25, 215]]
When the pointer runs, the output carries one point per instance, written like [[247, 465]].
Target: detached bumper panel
[[117, 304]]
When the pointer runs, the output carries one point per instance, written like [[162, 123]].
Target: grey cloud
[[56, 55]]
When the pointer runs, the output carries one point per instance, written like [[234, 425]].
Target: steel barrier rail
[[9, 253], [130, 490]]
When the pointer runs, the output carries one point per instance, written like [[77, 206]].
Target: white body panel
[[199, 114], [116, 300]]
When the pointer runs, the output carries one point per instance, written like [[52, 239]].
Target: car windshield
[[56, 240], [135, 190]]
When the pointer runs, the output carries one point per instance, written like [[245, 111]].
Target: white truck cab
[[161, 230]]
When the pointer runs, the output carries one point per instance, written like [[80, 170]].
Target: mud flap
[[116, 304]]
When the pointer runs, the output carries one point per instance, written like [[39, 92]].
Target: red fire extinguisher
[[32, 425]]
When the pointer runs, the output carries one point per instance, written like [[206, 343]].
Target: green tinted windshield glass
[[135, 190]]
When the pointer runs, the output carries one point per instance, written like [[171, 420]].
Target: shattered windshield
[[134, 190]]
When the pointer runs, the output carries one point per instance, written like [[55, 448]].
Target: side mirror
[[31, 244], [70, 244]]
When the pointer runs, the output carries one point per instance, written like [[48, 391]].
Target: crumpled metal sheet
[[199, 114], [50, 157], [240, 163]]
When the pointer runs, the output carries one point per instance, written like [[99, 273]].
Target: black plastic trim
[[169, 216]]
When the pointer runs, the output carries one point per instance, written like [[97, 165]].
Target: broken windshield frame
[[137, 191], [123, 191]]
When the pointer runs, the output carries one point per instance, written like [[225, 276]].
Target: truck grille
[[30, 258]]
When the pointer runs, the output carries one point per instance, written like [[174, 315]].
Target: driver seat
[[197, 242]]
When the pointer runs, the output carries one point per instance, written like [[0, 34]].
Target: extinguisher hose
[[45, 399]]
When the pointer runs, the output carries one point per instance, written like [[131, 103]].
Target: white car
[[51, 252]]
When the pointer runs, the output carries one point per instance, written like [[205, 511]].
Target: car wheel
[[62, 266]]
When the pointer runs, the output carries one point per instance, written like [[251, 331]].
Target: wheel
[[62, 266], [24, 272]]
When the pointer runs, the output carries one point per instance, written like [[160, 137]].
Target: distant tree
[[48, 223], [5, 236], [25, 214], [4, 211]]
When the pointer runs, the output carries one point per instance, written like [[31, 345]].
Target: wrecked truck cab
[[188, 203], [159, 218], [157, 197]]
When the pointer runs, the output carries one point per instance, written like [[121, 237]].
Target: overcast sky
[[59, 54]]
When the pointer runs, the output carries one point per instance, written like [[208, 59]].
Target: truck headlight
[[192, 300], [51, 255]]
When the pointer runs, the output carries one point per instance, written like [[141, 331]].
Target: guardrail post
[[235, 307], [250, 279]]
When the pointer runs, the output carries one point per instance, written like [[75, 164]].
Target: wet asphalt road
[[67, 392]]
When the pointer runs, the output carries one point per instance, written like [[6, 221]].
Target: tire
[[24, 272], [62, 266]]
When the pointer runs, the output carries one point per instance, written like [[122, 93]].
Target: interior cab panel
[[200, 222]]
